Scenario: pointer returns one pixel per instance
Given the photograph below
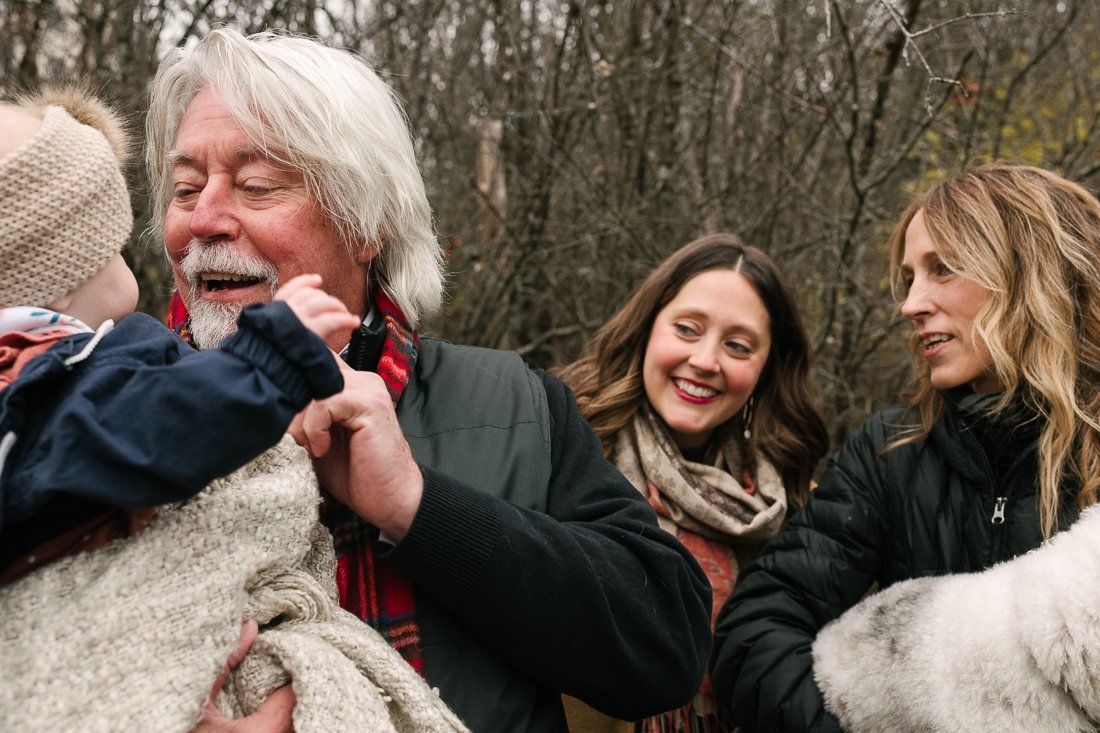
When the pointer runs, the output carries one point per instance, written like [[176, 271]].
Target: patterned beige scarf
[[705, 499], [719, 520]]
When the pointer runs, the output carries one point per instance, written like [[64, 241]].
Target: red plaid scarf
[[377, 593]]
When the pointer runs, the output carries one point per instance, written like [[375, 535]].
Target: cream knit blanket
[[131, 636]]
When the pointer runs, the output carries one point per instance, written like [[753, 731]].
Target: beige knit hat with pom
[[64, 207]]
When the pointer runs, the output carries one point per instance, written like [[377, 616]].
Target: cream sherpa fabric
[[1014, 649], [65, 210], [132, 635]]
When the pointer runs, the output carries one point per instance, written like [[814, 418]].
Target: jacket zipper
[[999, 510], [1000, 503], [365, 347]]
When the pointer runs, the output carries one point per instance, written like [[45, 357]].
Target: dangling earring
[[746, 417]]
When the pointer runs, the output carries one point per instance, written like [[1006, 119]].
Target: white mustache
[[225, 258]]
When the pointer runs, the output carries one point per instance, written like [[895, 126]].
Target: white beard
[[212, 322]]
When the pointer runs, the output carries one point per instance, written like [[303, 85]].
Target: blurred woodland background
[[570, 145]]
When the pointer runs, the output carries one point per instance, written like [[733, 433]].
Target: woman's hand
[[275, 714]]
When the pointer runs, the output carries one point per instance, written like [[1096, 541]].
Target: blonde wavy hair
[[786, 425], [1032, 240]]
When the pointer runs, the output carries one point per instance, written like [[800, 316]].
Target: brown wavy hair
[[1031, 238], [787, 427]]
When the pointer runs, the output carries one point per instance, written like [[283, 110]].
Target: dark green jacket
[[959, 501], [538, 568]]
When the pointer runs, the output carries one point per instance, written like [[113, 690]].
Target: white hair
[[326, 113]]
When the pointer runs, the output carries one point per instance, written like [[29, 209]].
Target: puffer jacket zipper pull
[[999, 510]]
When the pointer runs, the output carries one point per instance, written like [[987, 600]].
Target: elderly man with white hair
[[476, 522]]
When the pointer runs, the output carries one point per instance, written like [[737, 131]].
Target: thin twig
[[959, 19], [911, 36]]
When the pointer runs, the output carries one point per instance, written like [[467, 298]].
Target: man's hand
[[275, 714], [360, 454]]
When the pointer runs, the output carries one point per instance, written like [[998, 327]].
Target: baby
[[105, 413]]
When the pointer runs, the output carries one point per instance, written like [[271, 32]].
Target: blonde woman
[[699, 389], [996, 450]]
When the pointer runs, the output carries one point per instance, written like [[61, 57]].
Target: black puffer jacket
[[959, 501]]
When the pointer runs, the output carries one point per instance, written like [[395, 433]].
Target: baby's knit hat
[[64, 207]]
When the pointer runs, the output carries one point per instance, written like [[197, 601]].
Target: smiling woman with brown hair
[[699, 389]]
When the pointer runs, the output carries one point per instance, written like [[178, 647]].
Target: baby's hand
[[317, 310]]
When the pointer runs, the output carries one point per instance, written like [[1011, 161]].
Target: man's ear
[[372, 250]]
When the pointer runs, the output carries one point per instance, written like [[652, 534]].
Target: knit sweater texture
[[132, 635]]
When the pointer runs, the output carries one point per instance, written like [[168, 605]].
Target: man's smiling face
[[239, 223]]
